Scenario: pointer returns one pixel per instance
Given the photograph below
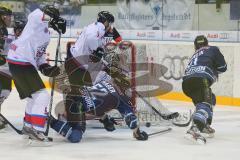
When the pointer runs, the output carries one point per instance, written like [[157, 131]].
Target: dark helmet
[[104, 16], [19, 25], [5, 11], [200, 41], [52, 11]]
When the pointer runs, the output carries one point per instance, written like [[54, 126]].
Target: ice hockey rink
[[98, 144]]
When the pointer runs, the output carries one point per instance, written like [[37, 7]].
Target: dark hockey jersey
[[3, 35], [103, 97], [206, 62]]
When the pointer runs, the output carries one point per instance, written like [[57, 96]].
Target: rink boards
[[174, 56]]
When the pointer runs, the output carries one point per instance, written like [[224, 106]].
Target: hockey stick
[[164, 116], [169, 116], [184, 124], [53, 86], [52, 60], [158, 132], [10, 124]]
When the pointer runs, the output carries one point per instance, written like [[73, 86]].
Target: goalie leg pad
[[202, 114]]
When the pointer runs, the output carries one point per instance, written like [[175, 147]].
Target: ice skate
[[3, 125], [36, 138], [208, 132], [194, 135]]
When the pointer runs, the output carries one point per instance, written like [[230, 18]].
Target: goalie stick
[[167, 116], [164, 116], [184, 124]]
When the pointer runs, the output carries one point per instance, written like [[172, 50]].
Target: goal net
[[142, 73]]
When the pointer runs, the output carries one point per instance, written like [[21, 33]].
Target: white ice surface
[[97, 144]]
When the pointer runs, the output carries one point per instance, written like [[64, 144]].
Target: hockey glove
[[2, 60], [49, 71], [97, 55], [58, 25], [108, 123], [116, 36], [140, 135]]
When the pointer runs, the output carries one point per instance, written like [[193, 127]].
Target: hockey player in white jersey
[[5, 76], [83, 59], [25, 57]]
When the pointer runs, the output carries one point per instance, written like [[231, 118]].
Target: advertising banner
[[155, 14]]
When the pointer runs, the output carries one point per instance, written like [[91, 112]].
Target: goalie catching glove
[[49, 71]]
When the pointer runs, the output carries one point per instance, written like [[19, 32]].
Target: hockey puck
[[148, 124]]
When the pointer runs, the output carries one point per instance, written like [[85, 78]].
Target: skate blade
[[3, 130], [206, 135], [25, 137], [191, 139], [37, 143]]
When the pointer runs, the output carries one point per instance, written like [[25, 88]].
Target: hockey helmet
[[104, 16], [51, 11], [200, 41], [5, 11]]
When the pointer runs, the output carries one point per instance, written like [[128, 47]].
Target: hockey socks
[[73, 134], [202, 115]]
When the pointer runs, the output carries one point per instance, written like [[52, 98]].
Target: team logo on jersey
[[13, 47]]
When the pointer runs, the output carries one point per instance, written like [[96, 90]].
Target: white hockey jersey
[[30, 47], [89, 40]]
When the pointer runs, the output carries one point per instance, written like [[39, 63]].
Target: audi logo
[[176, 66]]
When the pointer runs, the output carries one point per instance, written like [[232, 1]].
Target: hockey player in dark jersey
[[97, 100], [5, 77], [202, 71]]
